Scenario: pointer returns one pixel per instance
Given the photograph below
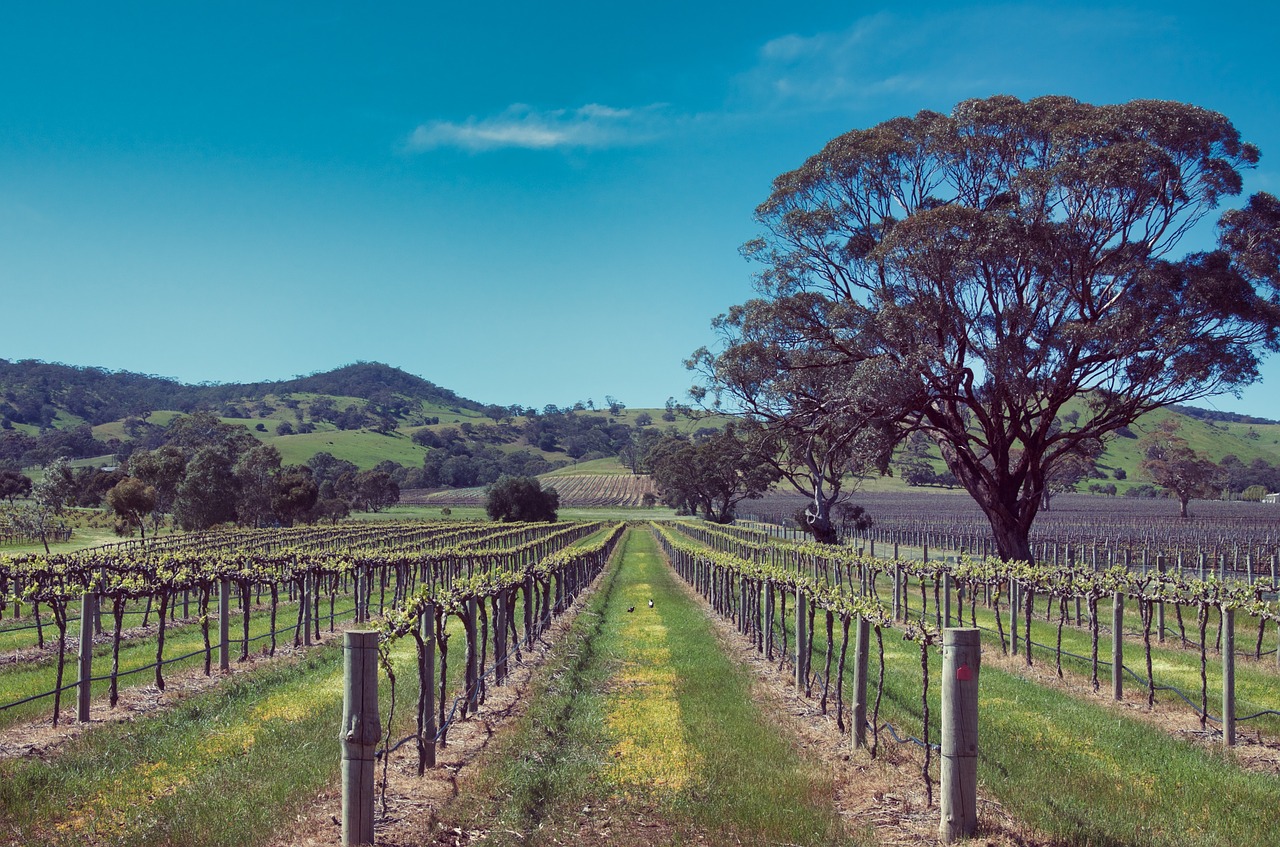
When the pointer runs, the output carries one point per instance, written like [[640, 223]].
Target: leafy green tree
[[712, 476], [163, 469], [255, 476], [13, 485], [374, 491], [1170, 463], [1018, 260], [521, 498], [207, 495], [132, 500], [295, 494]]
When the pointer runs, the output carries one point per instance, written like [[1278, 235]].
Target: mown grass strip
[[642, 708]]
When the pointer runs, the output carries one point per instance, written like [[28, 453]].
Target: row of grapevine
[[308, 564]]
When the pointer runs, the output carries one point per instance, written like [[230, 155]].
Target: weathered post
[[304, 597], [473, 657], [1162, 566], [224, 624], [528, 608], [961, 659], [361, 730], [427, 720], [1228, 675], [946, 598], [1015, 605], [1117, 645], [861, 651], [88, 614], [500, 639], [897, 587], [802, 639]]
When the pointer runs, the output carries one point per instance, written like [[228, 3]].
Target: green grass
[[224, 768], [1076, 770], [19, 681], [644, 710], [231, 766], [362, 447]]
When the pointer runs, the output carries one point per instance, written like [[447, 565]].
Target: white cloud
[[941, 55], [591, 126]]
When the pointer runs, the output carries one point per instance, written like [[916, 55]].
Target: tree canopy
[[999, 262], [712, 475], [521, 498]]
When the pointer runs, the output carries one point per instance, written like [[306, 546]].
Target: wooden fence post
[[88, 613], [427, 726], [1162, 566], [224, 624], [473, 657], [1015, 603], [961, 660], [361, 730], [861, 651], [1228, 676], [1117, 645], [802, 639], [304, 597]]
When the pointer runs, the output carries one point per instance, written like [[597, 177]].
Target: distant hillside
[[43, 394], [1220, 417]]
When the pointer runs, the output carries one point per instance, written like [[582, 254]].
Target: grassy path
[[645, 732]]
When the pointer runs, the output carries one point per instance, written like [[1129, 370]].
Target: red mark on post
[[964, 673]]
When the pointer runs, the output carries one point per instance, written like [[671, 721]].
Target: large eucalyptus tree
[[1002, 262]]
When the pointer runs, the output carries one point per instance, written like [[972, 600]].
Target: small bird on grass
[[631, 608], [650, 604]]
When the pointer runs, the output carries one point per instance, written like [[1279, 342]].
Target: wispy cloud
[[943, 55], [521, 126]]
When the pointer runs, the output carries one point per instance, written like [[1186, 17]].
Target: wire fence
[[168, 661]]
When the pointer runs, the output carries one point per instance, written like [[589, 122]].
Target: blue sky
[[526, 203]]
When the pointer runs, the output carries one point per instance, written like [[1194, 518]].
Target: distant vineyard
[[575, 491]]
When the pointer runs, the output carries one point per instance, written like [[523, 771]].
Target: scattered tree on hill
[[132, 500], [521, 498], [13, 485], [1170, 463], [1018, 258]]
